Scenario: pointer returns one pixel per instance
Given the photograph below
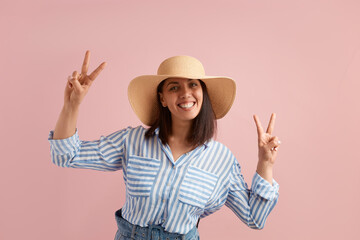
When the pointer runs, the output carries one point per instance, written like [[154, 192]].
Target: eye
[[174, 88], [193, 84]]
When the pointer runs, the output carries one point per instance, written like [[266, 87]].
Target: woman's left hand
[[268, 144]]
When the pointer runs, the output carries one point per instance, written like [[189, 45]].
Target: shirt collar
[[156, 131], [206, 144]]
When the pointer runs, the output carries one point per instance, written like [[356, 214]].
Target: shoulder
[[137, 134], [128, 131], [220, 151], [139, 128], [215, 145]]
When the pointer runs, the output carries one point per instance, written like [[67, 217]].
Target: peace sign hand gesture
[[267, 143], [78, 84]]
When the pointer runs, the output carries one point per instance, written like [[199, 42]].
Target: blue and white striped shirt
[[173, 194]]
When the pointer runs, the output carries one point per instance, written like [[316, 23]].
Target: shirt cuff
[[263, 188], [66, 145]]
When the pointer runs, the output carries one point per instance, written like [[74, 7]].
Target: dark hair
[[204, 124]]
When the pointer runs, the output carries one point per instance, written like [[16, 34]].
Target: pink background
[[299, 59]]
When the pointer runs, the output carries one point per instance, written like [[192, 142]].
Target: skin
[[185, 91], [268, 146], [177, 91], [79, 84], [76, 89]]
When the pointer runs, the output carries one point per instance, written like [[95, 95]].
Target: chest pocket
[[141, 174], [197, 187]]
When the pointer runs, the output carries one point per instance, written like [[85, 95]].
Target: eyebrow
[[175, 82]]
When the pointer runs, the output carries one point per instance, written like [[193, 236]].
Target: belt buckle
[[151, 227]]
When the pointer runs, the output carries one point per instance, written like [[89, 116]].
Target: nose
[[185, 92]]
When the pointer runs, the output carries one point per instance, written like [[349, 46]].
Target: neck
[[181, 130]]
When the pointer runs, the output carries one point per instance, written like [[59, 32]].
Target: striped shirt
[[161, 191]]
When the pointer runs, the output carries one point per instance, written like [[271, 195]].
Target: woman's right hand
[[78, 84]]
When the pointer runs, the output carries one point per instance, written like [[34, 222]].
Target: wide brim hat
[[142, 90]]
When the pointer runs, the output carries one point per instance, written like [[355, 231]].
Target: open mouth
[[186, 105]]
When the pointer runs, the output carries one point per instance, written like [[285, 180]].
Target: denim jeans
[[128, 231]]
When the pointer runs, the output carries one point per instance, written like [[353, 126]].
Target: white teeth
[[187, 105]]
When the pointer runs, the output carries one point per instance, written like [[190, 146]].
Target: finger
[[70, 85], [74, 74], [271, 124], [274, 143], [259, 128], [75, 81], [97, 71], [274, 149], [71, 79], [85, 65]]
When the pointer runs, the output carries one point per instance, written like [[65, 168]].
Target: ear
[[162, 100]]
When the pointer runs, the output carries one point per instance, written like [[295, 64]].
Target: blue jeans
[[128, 231]]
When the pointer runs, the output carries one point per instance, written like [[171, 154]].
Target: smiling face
[[183, 97]]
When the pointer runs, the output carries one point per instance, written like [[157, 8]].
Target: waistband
[[132, 231]]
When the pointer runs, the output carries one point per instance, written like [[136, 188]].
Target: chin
[[189, 118]]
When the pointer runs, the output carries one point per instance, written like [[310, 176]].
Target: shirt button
[[174, 166]]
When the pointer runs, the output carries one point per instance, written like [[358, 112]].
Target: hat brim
[[142, 95]]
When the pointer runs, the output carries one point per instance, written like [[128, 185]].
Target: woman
[[174, 172]]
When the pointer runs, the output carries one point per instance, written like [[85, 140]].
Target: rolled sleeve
[[104, 154], [66, 145], [263, 188], [254, 205]]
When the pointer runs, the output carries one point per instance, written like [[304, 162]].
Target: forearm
[[254, 212], [254, 206], [66, 124], [265, 170]]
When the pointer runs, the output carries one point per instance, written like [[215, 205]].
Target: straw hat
[[142, 90]]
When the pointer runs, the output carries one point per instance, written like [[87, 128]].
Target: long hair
[[203, 127]]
